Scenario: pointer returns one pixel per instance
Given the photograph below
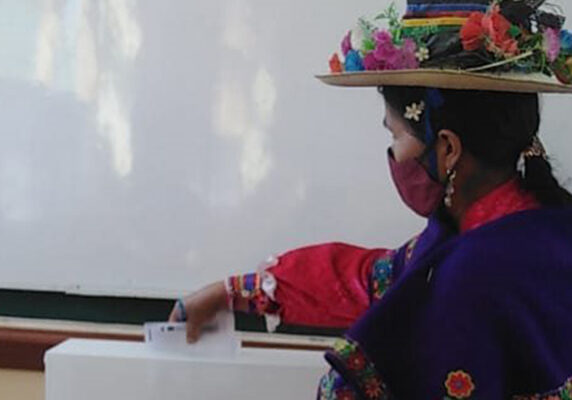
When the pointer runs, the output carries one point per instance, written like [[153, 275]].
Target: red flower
[[509, 47], [473, 33], [496, 26], [345, 394], [491, 28], [336, 64], [356, 361], [459, 385]]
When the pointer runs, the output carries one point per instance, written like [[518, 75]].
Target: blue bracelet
[[183, 314]]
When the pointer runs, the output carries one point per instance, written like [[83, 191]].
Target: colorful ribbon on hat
[[441, 21], [461, 10]]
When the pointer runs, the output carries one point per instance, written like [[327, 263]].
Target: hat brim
[[449, 79]]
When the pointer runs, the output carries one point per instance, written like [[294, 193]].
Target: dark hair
[[494, 127]]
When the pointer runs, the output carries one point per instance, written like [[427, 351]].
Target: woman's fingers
[[193, 332], [199, 308]]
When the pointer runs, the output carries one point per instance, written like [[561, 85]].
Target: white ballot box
[[114, 370]]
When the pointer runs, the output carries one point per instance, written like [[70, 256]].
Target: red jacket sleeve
[[326, 285]]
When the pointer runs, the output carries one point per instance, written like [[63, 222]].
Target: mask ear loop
[[434, 100]]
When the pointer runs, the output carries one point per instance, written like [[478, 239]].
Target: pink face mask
[[416, 187]]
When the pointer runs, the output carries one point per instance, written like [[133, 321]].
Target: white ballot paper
[[218, 339]]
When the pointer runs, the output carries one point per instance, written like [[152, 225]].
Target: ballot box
[[116, 370]]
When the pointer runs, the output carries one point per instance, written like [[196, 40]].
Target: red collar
[[504, 200]]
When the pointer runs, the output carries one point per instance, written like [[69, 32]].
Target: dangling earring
[[450, 191]]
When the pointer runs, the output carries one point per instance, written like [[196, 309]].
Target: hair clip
[[414, 111], [536, 149]]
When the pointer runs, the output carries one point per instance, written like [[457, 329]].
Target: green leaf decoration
[[368, 45], [367, 27], [394, 21], [514, 31], [390, 13]]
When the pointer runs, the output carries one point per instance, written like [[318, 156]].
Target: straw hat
[[499, 45]]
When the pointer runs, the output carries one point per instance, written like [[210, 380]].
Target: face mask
[[415, 185]]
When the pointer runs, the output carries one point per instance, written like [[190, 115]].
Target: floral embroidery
[[327, 385], [459, 385], [249, 288], [373, 388], [333, 387], [382, 273], [564, 392], [506, 199], [356, 362], [362, 370], [345, 394]]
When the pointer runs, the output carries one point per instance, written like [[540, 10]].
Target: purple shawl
[[482, 315]]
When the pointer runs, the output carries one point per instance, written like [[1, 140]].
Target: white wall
[[149, 147]]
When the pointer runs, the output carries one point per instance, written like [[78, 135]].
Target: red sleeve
[[321, 286]]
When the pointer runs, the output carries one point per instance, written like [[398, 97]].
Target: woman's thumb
[[193, 332]]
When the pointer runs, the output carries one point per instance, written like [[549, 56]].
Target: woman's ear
[[449, 151]]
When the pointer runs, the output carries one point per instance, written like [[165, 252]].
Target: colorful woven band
[[446, 21], [247, 290], [425, 8], [425, 30], [439, 14]]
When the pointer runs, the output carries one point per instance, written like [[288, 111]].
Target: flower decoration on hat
[[492, 31], [504, 36], [422, 54]]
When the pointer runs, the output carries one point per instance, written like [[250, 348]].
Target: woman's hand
[[201, 307]]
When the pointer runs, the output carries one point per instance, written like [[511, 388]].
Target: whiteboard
[[151, 147]]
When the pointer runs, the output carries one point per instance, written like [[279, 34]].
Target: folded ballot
[[218, 339]]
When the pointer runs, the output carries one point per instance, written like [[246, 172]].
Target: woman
[[479, 305]]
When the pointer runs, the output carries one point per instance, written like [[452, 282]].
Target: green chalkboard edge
[[119, 310]]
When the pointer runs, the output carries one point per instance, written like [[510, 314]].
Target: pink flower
[[552, 44], [371, 63], [391, 57], [347, 44], [409, 50], [383, 37]]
